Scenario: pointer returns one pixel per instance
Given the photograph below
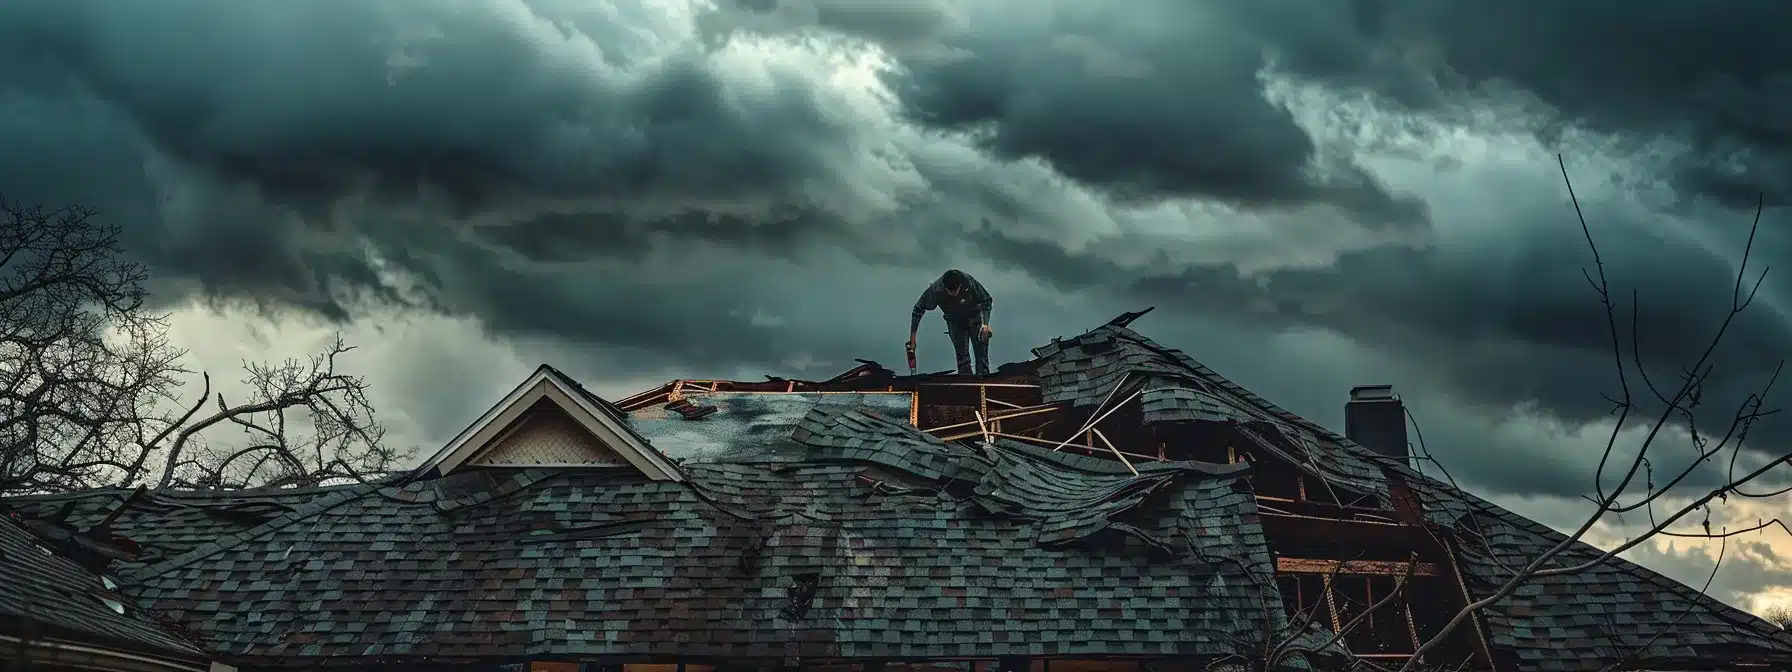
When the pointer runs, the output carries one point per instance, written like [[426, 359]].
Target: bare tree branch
[[90, 387], [1679, 407]]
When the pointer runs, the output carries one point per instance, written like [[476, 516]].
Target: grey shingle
[[49, 595], [1586, 620]]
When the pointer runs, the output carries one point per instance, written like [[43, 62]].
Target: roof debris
[[1108, 498]]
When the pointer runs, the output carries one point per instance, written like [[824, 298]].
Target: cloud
[[1161, 99], [1315, 194]]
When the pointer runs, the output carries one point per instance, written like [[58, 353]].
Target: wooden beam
[[1036, 410], [982, 405], [1048, 442], [1104, 441], [1013, 385], [1354, 567]]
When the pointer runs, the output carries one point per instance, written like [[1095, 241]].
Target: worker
[[965, 304]]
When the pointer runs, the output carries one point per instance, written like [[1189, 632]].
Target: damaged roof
[[47, 596], [820, 522], [808, 558]]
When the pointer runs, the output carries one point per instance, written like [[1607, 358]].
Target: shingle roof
[[1614, 611], [608, 564], [51, 596], [1084, 370], [827, 526], [1576, 622]]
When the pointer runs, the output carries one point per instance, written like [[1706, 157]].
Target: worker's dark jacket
[[971, 306]]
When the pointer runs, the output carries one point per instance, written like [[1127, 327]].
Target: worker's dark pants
[[967, 336]]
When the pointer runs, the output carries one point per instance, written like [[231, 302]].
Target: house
[[1109, 505]]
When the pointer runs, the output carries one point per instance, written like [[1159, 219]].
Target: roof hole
[[690, 411], [802, 595]]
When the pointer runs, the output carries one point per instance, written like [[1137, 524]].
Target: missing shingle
[[749, 556], [697, 412], [801, 595], [603, 530]]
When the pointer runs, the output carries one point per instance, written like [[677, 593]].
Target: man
[[965, 304]]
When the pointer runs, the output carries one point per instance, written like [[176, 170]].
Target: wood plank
[[1354, 567]]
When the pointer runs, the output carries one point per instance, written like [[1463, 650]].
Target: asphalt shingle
[[53, 596], [768, 559]]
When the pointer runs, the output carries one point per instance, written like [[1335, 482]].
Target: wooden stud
[[1355, 567], [1036, 410], [1412, 630], [1461, 583], [1331, 604], [1104, 440]]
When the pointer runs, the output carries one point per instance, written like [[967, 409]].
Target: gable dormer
[[550, 421]]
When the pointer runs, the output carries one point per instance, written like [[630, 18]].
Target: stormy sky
[[1313, 193]]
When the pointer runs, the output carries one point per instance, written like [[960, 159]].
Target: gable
[[550, 421], [546, 436]]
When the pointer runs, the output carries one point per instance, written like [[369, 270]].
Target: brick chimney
[[1375, 418]]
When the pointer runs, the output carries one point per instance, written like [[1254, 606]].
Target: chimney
[[1376, 419]]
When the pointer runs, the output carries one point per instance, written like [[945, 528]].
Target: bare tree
[[90, 386], [1779, 614], [1638, 487]]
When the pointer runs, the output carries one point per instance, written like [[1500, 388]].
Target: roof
[[50, 598], [815, 520]]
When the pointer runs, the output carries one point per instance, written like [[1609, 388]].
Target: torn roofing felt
[[47, 595]]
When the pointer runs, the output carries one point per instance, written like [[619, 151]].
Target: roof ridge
[[1225, 383]]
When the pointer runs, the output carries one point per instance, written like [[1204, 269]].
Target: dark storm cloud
[[1146, 100], [281, 111], [599, 174], [1509, 319], [312, 103], [911, 28], [1714, 75]]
